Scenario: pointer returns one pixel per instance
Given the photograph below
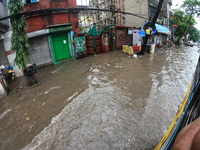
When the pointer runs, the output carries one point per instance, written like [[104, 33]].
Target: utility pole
[[152, 25]]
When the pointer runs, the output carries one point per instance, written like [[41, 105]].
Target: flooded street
[[106, 101]]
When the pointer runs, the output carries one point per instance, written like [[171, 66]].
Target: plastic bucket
[[137, 48], [152, 47]]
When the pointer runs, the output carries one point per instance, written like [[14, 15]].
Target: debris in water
[[4, 113], [47, 92], [19, 88], [131, 104], [55, 87], [135, 55], [27, 118], [39, 94], [72, 96], [56, 71], [52, 89]]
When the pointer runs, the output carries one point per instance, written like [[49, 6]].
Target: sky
[[175, 4]]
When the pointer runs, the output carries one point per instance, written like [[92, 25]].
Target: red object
[[158, 46], [175, 26], [105, 48], [137, 48], [9, 52]]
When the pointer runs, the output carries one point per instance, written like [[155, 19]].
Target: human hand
[[189, 137]]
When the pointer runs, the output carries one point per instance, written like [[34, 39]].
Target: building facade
[[131, 13], [50, 27], [140, 9], [50, 31]]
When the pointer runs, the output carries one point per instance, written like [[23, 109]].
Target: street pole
[[152, 24]]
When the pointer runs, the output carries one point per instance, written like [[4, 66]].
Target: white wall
[[3, 91]]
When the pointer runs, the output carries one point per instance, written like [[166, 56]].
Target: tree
[[181, 19], [194, 34], [191, 8], [19, 40]]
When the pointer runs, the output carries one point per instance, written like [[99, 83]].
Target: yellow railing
[[180, 111]]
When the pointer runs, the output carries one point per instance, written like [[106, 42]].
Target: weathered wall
[[42, 20], [137, 7], [40, 50], [3, 56]]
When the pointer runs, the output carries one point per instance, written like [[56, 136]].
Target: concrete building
[[145, 11], [139, 11], [139, 8], [87, 17], [47, 23], [50, 29]]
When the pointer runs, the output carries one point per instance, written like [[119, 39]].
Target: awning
[[159, 28], [162, 29]]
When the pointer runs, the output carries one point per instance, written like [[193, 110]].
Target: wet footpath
[[99, 102]]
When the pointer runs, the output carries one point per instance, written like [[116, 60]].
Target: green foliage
[[185, 19], [19, 41], [180, 19], [191, 7], [194, 34]]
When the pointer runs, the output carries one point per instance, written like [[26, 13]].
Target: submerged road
[[106, 101]]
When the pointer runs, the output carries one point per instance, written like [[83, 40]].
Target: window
[[30, 1]]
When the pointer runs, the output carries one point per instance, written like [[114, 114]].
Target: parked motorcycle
[[8, 73]]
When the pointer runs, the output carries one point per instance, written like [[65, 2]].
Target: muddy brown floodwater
[[106, 101]]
